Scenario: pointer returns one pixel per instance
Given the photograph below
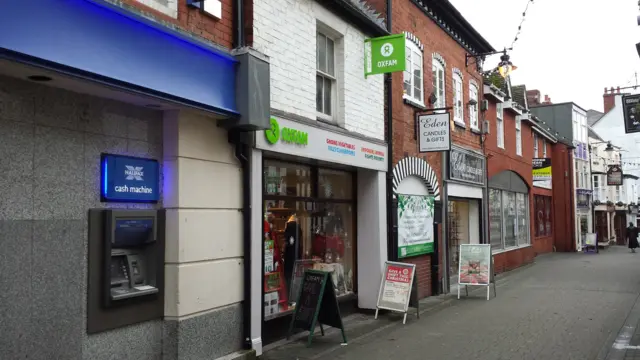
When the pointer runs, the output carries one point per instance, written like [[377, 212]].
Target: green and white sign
[[288, 135], [384, 55], [415, 225]]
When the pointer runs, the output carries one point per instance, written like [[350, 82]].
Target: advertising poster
[[631, 109], [542, 172], [475, 264], [415, 225], [395, 290]]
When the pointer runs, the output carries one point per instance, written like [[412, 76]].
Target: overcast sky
[[568, 49]]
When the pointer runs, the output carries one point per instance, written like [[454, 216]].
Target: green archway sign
[[288, 135]]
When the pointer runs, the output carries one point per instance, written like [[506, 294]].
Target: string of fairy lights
[[524, 16]]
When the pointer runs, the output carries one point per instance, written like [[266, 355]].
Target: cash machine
[[126, 267]]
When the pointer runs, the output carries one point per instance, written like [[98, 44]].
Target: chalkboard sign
[[317, 305]]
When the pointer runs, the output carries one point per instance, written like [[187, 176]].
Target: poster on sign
[[397, 288], [475, 267]]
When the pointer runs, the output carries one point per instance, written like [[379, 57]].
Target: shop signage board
[[631, 111], [466, 166], [384, 54], [316, 304], [542, 172], [415, 225], [129, 179], [614, 175], [434, 132], [398, 289], [313, 142], [475, 266]]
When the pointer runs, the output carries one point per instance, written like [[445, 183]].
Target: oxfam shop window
[[308, 224]]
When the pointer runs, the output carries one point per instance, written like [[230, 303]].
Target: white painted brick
[[285, 30]]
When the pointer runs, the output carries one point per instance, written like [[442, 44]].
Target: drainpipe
[[243, 154], [392, 248]]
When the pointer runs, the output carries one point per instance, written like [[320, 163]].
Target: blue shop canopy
[[102, 42]]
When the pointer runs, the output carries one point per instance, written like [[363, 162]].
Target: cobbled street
[[564, 306]]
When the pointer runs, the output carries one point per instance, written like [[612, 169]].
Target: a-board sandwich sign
[[398, 290], [316, 304], [474, 267]]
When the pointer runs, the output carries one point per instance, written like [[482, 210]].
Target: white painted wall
[[167, 7], [203, 200], [372, 235], [285, 30], [412, 185]]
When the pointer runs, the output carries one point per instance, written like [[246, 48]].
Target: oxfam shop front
[[322, 196]]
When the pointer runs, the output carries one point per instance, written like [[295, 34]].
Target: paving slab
[[565, 306]]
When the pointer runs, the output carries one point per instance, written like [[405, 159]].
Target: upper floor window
[[325, 77], [499, 110], [413, 73], [458, 100], [518, 137], [544, 148], [473, 107], [437, 69], [535, 145]]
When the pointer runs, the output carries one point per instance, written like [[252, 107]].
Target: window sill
[[476, 131], [502, 251], [459, 124], [410, 101]]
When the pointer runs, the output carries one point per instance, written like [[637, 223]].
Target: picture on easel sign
[[398, 289], [475, 267]]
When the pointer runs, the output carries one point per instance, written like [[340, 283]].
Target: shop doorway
[[601, 226], [463, 228], [620, 227]]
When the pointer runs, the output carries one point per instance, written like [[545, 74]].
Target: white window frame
[[441, 93], [458, 97], [499, 126], [411, 48], [333, 117], [544, 148], [473, 109], [518, 136], [535, 145], [503, 228]]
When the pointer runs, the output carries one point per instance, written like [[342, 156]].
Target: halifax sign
[[129, 179]]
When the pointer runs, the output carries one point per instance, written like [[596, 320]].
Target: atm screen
[[132, 232]]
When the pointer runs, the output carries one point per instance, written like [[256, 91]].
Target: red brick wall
[[408, 17], [194, 21], [563, 209], [510, 260]]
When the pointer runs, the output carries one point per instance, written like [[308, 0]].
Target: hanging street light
[[505, 67]]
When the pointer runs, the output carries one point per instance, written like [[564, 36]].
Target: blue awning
[[103, 42]]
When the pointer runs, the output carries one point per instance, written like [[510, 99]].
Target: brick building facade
[[439, 39]]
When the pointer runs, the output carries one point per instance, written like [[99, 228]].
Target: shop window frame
[[503, 247], [314, 198]]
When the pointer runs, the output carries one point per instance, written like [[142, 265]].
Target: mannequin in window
[[292, 247]]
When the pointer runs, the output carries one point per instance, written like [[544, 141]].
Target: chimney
[[533, 97], [547, 100], [609, 99]]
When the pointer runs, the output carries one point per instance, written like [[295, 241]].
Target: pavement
[[564, 306]]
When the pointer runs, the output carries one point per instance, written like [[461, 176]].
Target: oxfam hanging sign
[[384, 54], [288, 135]]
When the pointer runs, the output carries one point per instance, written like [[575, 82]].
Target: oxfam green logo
[[273, 134], [289, 135]]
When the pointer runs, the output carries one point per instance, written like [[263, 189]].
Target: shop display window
[[308, 224], [508, 219]]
